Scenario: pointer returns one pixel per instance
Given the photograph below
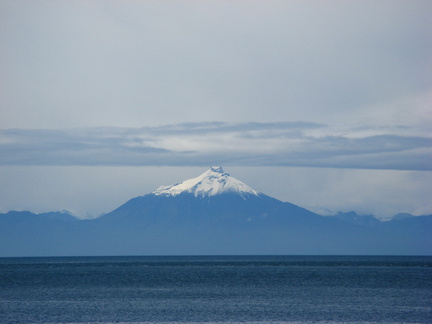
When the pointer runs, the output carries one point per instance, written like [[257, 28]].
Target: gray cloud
[[203, 144], [220, 127], [73, 147]]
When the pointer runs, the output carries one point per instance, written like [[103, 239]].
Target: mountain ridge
[[211, 214]]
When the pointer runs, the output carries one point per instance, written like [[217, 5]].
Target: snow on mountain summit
[[212, 182]]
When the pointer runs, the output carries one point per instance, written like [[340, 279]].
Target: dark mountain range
[[211, 214]]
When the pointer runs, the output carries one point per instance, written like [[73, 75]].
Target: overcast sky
[[325, 104]]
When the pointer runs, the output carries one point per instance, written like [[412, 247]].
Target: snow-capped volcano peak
[[212, 182]]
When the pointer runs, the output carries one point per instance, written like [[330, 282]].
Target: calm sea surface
[[283, 289]]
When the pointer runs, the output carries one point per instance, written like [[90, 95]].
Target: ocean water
[[216, 289]]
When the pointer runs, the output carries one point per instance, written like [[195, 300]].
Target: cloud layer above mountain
[[221, 143]]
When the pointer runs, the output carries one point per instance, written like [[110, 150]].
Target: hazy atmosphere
[[325, 104]]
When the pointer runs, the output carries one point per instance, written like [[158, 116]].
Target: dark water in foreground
[[216, 289]]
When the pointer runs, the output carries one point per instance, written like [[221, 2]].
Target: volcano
[[212, 214]]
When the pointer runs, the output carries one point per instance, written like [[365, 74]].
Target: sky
[[325, 104]]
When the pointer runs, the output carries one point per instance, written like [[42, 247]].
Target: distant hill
[[213, 213]]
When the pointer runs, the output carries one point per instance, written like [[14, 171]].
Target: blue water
[[290, 289]]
